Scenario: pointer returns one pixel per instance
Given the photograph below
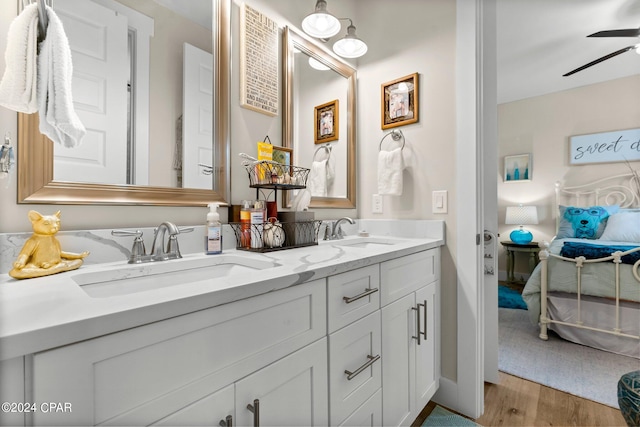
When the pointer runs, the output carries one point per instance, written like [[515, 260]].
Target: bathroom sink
[[144, 277], [367, 242]]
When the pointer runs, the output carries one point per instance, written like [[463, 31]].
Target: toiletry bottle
[[258, 218], [245, 224], [213, 237]]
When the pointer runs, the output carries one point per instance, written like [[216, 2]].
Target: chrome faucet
[[336, 229], [158, 252]]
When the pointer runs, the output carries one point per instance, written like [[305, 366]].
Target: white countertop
[[43, 313]]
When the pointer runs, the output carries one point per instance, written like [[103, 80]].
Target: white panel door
[[291, 392], [197, 119], [398, 362], [427, 366], [208, 411], [98, 40]]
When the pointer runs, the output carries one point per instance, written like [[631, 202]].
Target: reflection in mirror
[[142, 156], [311, 95]]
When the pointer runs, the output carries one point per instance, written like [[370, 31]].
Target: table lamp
[[521, 215]]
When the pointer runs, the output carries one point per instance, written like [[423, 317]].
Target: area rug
[[440, 417], [573, 368], [510, 298]]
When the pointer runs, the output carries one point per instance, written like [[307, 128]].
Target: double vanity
[[343, 333]]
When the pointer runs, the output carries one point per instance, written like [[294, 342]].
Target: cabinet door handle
[[227, 422], [418, 333], [371, 361], [367, 292], [255, 409], [424, 334]]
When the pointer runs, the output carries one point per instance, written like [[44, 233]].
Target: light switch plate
[[376, 204], [439, 201]]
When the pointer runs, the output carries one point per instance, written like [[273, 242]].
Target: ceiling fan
[[631, 32]]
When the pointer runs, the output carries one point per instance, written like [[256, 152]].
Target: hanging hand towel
[[390, 166], [318, 178], [331, 171], [58, 119], [18, 88]]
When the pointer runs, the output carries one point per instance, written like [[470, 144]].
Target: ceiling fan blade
[[597, 61], [631, 32]]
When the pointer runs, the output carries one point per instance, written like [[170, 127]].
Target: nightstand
[[531, 248]]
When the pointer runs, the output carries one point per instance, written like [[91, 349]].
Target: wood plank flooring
[[516, 402]]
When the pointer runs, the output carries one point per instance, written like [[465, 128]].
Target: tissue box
[[299, 228]]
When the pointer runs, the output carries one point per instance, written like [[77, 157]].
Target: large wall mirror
[[152, 88], [319, 121]]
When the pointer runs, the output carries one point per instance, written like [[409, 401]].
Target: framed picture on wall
[[400, 101], [284, 156], [517, 168], [326, 122]]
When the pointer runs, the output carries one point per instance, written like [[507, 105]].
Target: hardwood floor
[[516, 402]]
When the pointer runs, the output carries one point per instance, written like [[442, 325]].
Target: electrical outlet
[[376, 204]]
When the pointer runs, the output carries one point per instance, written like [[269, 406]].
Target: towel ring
[[326, 147], [396, 135]]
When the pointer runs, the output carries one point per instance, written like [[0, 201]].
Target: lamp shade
[[350, 46], [320, 23], [521, 215]]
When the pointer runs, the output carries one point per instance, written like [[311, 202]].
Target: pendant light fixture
[[321, 23], [350, 46]]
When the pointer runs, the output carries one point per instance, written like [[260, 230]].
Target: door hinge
[[477, 239]]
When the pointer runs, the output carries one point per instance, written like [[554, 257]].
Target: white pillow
[[623, 227]]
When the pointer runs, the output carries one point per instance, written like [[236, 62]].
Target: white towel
[[390, 166], [18, 87], [331, 172], [318, 178], [58, 119]]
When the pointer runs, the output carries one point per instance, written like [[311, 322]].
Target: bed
[[586, 287]]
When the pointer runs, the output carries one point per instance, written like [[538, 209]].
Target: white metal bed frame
[[623, 190]]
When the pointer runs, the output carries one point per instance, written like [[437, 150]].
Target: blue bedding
[[593, 251]]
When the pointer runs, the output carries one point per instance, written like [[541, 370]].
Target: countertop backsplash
[[104, 247]]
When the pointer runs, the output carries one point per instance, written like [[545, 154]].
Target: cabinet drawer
[[401, 276], [355, 348], [361, 288], [140, 375], [368, 415]]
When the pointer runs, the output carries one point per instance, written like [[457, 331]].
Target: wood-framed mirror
[[306, 89], [35, 159]]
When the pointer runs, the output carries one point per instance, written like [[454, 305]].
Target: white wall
[[542, 126]]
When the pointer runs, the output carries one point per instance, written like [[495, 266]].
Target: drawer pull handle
[[371, 361], [417, 335], [424, 333], [418, 331], [255, 409], [367, 292], [227, 422]]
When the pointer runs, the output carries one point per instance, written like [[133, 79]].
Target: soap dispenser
[[213, 233]]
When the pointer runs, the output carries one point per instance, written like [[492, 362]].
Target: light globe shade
[[521, 215], [350, 46], [315, 64], [321, 24]]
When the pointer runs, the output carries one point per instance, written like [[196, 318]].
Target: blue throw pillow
[[584, 223]]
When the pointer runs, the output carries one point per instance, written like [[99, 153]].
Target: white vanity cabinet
[[410, 335], [143, 375], [360, 347]]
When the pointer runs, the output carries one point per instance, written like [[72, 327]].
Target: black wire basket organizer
[[268, 237], [270, 174]]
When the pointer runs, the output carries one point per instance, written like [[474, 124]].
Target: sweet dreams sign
[[605, 147]]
